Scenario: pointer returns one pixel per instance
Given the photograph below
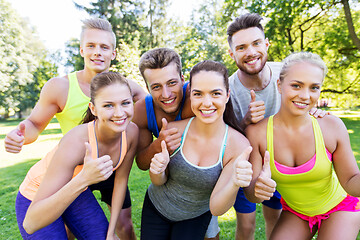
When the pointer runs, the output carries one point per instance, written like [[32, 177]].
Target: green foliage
[[21, 55]]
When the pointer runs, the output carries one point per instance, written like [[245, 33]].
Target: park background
[[329, 28]]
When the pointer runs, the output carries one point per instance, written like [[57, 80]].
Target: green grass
[[13, 168]]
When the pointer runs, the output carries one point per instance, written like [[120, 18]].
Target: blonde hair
[[302, 57], [99, 24]]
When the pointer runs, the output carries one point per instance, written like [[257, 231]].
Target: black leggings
[[155, 226]]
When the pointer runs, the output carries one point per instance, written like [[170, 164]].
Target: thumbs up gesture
[[98, 169], [171, 136], [256, 110], [243, 169], [265, 186], [15, 139], [160, 160]]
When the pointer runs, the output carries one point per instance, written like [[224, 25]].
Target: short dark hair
[[159, 58], [245, 21]]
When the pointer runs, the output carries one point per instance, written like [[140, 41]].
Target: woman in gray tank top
[[211, 155]]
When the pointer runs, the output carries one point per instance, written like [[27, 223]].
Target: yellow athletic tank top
[[35, 175], [313, 192], [76, 105]]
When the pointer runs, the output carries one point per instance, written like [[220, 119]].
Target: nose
[[97, 50], [250, 50], [207, 101], [166, 92], [119, 111], [304, 94]]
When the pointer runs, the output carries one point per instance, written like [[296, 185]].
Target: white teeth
[[119, 121], [169, 101], [252, 61], [207, 112], [300, 104]]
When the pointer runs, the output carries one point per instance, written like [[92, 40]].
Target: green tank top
[[76, 105], [313, 192]]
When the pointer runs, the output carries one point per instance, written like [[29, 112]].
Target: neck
[[256, 82], [208, 130], [86, 75], [104, 136], [291, 121]]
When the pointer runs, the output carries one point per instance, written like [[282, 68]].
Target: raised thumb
[[253, 96], [164, 124], [164, 148], [244, 156], [21, 129], [266, 167]]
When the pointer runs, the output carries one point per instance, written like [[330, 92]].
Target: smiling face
[[249, 50], [97, 49], [300, 88], [166, 87], [208, 96], [113, 107]]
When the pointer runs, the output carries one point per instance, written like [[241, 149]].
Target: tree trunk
[[350, 24]]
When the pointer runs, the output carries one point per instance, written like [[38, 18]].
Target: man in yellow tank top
[[67, 97]]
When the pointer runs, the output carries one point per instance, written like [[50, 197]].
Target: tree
[[21, 53], [355, 39], [320, 26]]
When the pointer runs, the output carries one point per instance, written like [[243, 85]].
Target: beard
[[251, 71]]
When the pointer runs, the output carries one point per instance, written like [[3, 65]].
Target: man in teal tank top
[[68, 97]]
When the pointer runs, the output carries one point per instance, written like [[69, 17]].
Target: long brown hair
[[100, 81], [213, 66]]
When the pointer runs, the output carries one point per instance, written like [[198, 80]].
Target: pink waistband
[[349, 204]]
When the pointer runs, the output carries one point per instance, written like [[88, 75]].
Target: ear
[[182, 78], [231, 53], [279, 85], [228, 96], [113, 55], [92, 108], [81, 51], [267, 43]]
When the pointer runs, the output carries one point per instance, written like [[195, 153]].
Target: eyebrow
[[297, 81], [256, 40], [214, 90]]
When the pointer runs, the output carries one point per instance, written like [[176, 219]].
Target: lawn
[[13, 168]]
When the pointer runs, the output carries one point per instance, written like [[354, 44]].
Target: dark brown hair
[[100, 81], [245, 21], [159, 58], [213, 66]]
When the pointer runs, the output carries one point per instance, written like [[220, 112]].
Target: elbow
[[141, 165], [217, 211], [28, 227]]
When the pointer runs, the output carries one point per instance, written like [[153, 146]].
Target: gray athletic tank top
[[186, 194]]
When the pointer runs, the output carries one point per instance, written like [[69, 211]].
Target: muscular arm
[[144, 153], [344, 160], [137, 91], [52, 100], [227, 186]]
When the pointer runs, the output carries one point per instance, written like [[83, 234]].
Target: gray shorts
[[213, 228]]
